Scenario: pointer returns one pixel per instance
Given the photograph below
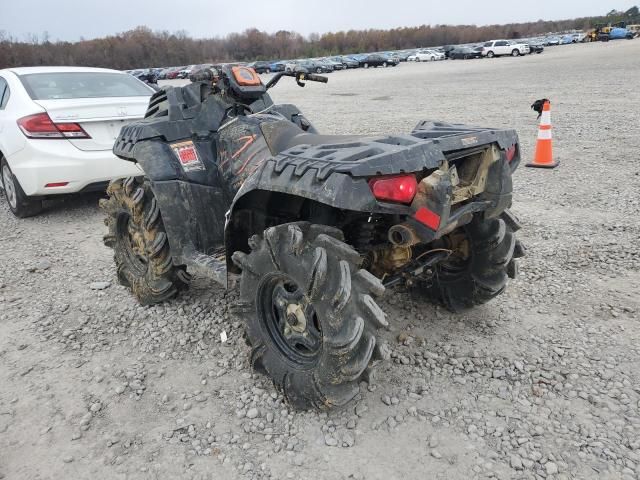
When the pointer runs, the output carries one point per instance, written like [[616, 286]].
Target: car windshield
[[65, 85]]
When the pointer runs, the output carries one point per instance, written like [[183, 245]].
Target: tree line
[[142, 47]]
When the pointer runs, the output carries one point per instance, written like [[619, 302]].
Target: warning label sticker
[[187, 154]]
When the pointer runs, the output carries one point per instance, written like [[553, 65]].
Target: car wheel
[[268, 70], [20, 204], [433, 59], [366, 65], [288, 70], [515, 52], [491, 54], [384, 65]]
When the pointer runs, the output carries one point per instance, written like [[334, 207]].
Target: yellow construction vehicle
[[604, 33]]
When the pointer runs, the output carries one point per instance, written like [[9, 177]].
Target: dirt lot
[[542, 383]]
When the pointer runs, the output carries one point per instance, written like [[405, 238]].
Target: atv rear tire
[[477, 272], [311, 318], [141, 248]]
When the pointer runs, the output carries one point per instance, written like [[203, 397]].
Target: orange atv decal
[[248, 139]]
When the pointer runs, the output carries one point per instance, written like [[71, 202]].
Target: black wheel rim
[[289, 318], [130, 236]]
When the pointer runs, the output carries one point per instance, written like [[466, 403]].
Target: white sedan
[[57, 129], [426, 56]]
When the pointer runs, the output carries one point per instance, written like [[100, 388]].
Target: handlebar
[[209, 75], [299, 76], [316, 78]]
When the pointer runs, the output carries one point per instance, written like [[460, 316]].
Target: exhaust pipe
[[402, 235]]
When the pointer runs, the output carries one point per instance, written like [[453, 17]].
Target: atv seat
[[282, 135]]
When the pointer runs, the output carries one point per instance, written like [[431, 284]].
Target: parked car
[[58, 126], [465, 53], [277, 66], [552, 41], [496, 48], [291, 65], [377, 60], [392, 56], [162, 74], [567, 40], [149, 77], [439, 55], [185, 72], [426, 56], [330, 63], [347, 62], [173, 73], [260, 66], [447, 49], [311, 66], [536, 48], [404, 56]]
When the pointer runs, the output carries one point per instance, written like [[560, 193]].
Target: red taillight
[[510, 153], [72, 130], [38, 126], [399, 189], [56, 184], [428, 218], [41, 126]]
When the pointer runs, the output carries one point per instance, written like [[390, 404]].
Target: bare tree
[[142, 47]]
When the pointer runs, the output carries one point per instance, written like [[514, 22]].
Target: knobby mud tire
[[144, 263], [493, 250], [342, 297]]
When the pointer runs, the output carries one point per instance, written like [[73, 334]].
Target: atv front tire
[[141, 249], [311, 317], [484, 256]]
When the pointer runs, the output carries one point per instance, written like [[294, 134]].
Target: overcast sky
[[72, 19]]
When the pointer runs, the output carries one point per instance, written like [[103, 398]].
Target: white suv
[[496, 48]]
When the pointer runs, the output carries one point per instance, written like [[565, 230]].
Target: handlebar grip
[[205, 75], [316, 78]]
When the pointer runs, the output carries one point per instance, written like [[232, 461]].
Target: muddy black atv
[[315, 227]]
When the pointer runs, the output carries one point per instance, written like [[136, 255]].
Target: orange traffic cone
[[544, 147]]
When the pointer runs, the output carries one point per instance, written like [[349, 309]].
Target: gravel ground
[[543, 382]]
